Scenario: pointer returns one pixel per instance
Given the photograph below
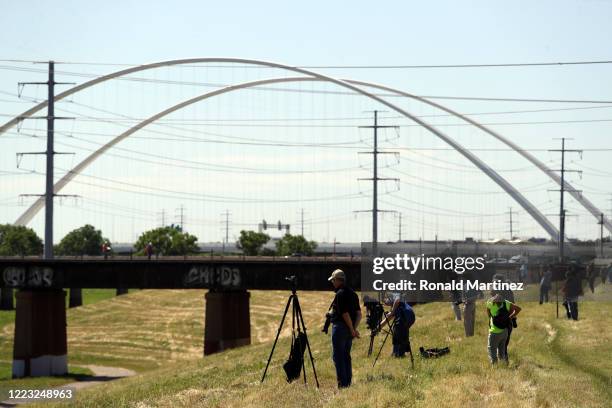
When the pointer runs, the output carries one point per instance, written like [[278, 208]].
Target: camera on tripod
[[299, 339], [375, 313], [374, 316]]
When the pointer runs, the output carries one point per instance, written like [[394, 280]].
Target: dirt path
[[100, 375]]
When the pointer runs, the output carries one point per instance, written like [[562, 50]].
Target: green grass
[[6, 382], [553, 362], [7, 317], [7, 320], [91, 296]]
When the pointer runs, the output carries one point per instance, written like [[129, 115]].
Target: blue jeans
[[544, 293], [341, 354]]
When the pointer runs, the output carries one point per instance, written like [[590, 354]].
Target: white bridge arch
[[313, 76]]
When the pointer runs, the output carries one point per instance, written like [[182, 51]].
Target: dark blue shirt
[[346, 301]]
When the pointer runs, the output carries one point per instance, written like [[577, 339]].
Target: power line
[[395, 66], [315, 126], [341, 145], [199, 197], [311, 91], [512, 64], [170, 120]]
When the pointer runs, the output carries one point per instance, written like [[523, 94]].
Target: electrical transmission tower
[[610, 199], [375, 179], [226, 223], [302, 220], [601, 225], [162, 216], [399, 237], [49, 153], [181, 217], [562, 190], [511, 222]]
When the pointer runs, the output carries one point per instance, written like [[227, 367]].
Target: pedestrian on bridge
[[149, 250], [106, 248]]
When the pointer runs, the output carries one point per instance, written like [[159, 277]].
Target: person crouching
[[403, 318]]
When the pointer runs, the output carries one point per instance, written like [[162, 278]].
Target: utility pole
[[399, 239], [511, 222], [226, 226], [181, 216], [302, 220], [162, 214], [50, 153], [601, 225], [562, 210], [610, 199], [375, 179]]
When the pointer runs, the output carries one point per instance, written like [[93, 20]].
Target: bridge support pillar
[[40, 347], [227, 323], [76, 297], [6, 299]]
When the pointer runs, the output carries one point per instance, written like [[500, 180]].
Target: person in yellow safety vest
[[500, 313]]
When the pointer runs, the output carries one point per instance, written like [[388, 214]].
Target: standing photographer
[[346, 316], [500, 312], [572, 289], [404, 318]]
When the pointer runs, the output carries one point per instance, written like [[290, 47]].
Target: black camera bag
[[294, 364]]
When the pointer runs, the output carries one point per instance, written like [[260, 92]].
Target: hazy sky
[[269, 153]]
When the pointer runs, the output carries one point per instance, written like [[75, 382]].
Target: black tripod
[[297, 320], [390, 331]]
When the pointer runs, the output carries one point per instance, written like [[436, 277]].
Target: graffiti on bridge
[[213, 276], [35, 277]]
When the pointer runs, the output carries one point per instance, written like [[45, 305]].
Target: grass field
[[7, 319], [553, 363]]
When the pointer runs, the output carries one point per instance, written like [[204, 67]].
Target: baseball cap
[[337, 274]]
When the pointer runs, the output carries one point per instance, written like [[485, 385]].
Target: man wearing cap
[[346, 318], [500, 312]]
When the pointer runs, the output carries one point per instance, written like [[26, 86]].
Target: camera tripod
[[390, 331], [297, 321]]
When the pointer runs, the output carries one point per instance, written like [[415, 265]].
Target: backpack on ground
[[433, 352]]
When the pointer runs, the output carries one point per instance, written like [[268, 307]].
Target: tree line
[[17, 240]]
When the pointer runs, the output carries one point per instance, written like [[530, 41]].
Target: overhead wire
[[391, 95]]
